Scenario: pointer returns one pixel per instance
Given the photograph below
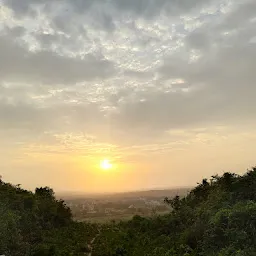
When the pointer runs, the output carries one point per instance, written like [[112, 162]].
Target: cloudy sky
[[165, 89]]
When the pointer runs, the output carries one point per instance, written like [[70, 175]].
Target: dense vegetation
[[38, 224], [218, 217]]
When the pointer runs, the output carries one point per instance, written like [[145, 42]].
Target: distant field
[[122, 206], [106, 219]]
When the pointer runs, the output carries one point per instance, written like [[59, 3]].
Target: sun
[[105, 165]]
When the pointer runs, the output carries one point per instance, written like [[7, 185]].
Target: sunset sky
[[163, 89]]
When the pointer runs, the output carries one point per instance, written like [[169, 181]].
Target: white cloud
[[135, 67]]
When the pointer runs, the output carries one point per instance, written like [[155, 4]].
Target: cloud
[[59, 118], [19, 64], [147, 83], [241, 14], [198, 40], [144, 66], [142, 7]]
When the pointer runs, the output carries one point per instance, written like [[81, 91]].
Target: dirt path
[[90, 245]]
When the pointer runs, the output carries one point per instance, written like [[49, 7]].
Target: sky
[[164, 89]]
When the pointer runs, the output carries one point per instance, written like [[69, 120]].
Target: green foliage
[[38, 224], [217, 218]]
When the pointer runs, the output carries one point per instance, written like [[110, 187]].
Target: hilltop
[[37, 224], [216, 218]]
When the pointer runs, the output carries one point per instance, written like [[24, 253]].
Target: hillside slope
[[217, 218], [38, 224]]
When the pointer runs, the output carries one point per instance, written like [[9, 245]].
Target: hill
[[34, 224], [151, 193], [154, 193], [216, 218]]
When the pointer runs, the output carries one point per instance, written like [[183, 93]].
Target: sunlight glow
[[105, 165]]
